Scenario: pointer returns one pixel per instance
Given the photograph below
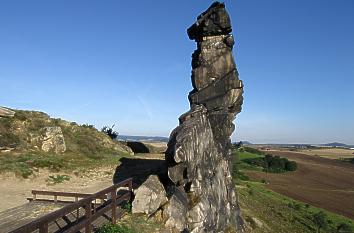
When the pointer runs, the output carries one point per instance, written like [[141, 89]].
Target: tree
[[320, 220], [110, 132]]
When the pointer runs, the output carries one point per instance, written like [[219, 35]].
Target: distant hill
[[142, 138], [338, 144]]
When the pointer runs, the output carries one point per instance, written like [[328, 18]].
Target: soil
[[321, 182], [14, 190]]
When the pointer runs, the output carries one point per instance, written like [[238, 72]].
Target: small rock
[[149, 197]]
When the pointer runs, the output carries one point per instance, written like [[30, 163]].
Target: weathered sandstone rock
[[196, 173], [149, 196], [4, 112], [202, 196], [53, 140]]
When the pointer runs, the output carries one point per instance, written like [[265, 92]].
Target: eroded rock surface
[[196, 173], [53, 140], [202, 195], [149, 196]]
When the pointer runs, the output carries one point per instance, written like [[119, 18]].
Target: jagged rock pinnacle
[[202, 192], [198, 182]]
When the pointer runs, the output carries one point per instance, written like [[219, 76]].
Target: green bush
[[344, 228], [320, 220], [290, 166], [273, 164], [111, 228]]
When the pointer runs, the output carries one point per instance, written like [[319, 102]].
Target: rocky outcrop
[[202, 195], [53, 140], [5, 112], [197, 173], [149, 197]]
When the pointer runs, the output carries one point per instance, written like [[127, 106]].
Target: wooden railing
[[55, 195], [92, 211]]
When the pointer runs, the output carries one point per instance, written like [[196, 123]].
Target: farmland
[[330, 153], [321, 182]]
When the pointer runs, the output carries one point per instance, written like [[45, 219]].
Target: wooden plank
[[60, 194], [12, 218]]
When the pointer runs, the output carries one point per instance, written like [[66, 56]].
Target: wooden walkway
[[13, 218], [61, 212]]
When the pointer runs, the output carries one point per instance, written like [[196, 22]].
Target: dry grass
[[330, 153]]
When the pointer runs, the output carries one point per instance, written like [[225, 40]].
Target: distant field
[[330, 153], [325, 183]]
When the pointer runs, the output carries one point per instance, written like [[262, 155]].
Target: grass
[[132, 224], [112, 228], [25, 165], [57, 179]]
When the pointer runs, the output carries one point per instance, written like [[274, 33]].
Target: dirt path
[[322, 182], [14, 190]]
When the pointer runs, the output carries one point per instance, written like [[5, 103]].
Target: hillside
[[266, 209], [30, 140]]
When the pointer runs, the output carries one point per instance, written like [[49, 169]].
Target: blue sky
[[128, 63]]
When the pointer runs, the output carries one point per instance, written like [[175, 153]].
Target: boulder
[[5, 112], [149, 197], [53, 140]]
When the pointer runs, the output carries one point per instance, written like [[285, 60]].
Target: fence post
[[88, 226], [114, 205], [130, 189], [43, 228]]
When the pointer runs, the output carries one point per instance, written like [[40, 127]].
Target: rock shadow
[[140, 170], [138, 147]]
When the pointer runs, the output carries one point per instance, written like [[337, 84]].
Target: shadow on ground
[[140, 170]]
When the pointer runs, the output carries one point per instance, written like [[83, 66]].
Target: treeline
[[271, 163]]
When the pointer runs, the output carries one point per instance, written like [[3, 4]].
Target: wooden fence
[[108, 199]]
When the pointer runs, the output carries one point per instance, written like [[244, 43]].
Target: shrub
[[272, 163], [344, 228], [110, 132], [9, 139], [290, 166], [127, 206], [320, 220], [88, 126]]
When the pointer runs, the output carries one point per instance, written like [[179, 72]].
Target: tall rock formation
[[201, 192]]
